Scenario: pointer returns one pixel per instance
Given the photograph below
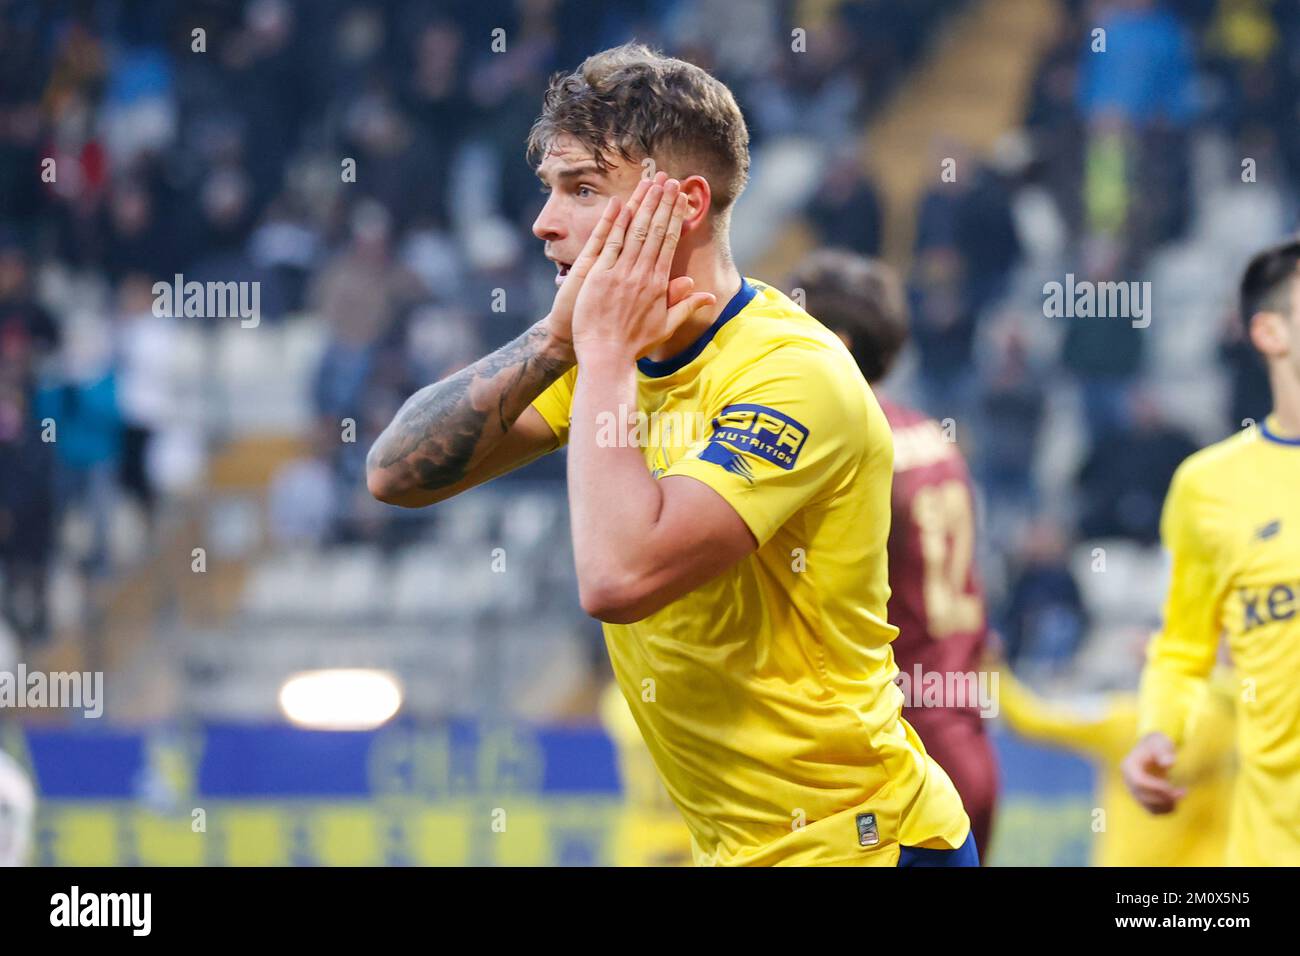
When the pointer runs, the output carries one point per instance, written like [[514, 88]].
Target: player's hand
[[623, 309], [1146, 770], [559, 322]]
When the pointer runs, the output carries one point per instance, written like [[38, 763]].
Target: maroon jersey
[[938, 606], [936, 602]]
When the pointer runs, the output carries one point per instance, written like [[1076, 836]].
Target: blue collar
[[1274, 437], [653, 369]]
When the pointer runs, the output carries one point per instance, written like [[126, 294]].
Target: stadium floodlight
[[341, 698]]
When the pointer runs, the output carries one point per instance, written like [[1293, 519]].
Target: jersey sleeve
[[785, 430], [1181, 656], [555, 403]]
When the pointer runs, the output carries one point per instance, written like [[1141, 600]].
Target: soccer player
[[1232, 526], [737, 553], [1102, 731], [936, 601]]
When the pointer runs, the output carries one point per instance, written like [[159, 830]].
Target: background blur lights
[[343, 699]]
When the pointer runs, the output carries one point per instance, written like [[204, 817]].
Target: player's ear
[[1268, 333], [700, 197]]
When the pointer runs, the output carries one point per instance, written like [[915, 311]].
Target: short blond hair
[[638, 103]]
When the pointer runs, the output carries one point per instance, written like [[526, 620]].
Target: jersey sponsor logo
[[1267, 605], [755, 430]]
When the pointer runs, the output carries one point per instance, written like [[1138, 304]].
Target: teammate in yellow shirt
[[1102, 731], [729, 485], [1232, 524]]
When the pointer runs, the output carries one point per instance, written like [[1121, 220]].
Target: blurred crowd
[[361, 161], [1101, 176], [218, 140]]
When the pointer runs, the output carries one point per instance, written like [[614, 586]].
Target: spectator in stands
[[80, 170], [82, 405], [134, 238], [145, 344], [1044, 619], [435, 92], [1139, 67], [265, 80], [138, 111], [1104, 352], [1056, 127], [398, 163], [22, 122], [1251, 399], [846, 209], [1011, 414], [26, 516], [1136, 94], [225, 223], [817, 94], [302, 500], [1125, 478], [497, 290], [967, 213], [966, 245], [286, 247], [943, 328], [1254, 85], [358, 295], [28, 335]]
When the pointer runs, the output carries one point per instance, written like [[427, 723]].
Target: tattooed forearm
[[444, 429], [434, 435]]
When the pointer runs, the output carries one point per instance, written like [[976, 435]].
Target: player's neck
[[714, 273], [1286, 402]]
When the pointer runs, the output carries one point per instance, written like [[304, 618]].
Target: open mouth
[[562, 271]]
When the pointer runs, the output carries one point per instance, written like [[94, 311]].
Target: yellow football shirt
[[766, 697], [650, 831], [1232, 525], [1195, 834]]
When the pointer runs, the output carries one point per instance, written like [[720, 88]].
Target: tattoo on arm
[[433, 439]]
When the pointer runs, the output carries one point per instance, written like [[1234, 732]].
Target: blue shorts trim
[[964, 855]]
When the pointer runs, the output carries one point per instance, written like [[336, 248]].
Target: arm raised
[[477, 424], [471, 426]]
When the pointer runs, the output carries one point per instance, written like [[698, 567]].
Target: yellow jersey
[[766, 697], [650, 831], [1232, 525], [1195, 834]]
